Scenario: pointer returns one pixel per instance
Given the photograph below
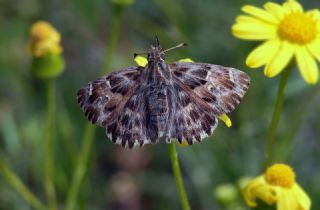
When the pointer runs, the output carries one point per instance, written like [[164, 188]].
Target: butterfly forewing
[[219, 87], [102, 100]]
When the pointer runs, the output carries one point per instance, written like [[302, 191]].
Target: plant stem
[[49, 146], [113, 39], [16, 183], [89, 133], [81, 167], [177, 174], [276, 115]]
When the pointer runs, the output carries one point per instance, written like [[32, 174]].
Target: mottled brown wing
[[222, 88], [117, 103], [129, 128], [203, 92], [192, 119]]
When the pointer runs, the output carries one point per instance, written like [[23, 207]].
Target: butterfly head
[[155, 54]]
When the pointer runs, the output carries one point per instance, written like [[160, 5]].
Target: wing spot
[[125, 120], [194, 115], [206, 66], [210, 99], [210, 87], [206, 127], [137, 122], [131, 104], [183, 69], [177, 73], [184, 99], [108, 109], [201, 73], [132, 75], [228, 84]]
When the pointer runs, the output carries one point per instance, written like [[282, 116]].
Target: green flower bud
[[226, 194], [47, 67]]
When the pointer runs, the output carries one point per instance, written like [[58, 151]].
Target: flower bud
[[226, 194], [47, 67], [45, 47], [44, 39]]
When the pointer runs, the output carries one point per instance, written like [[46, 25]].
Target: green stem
[[276, 115], [81, 167], [89, 132], [113, 39], [16, 183], [296, 121], [49, 146], [177, 173]]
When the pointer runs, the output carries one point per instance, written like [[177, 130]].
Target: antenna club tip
[[184, 44]]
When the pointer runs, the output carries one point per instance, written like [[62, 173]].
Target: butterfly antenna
[[177, 46], [157, 41]]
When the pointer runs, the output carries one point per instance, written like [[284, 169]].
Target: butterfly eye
[[210, 87]]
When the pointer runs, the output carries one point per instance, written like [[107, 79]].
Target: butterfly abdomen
[[157, 111]]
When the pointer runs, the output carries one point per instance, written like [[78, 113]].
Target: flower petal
[[314, 49], [302, 197], [250, 28], [287, 200], [275, 9], [226, 120], [315, 14], [259, 189], [259, 13], [141, 61], [263, 53], [280, 60], [184, 143], [307, 65], [188, 60], [292, 6]]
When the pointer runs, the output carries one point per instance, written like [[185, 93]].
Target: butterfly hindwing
[[192, 121], [129, 127]]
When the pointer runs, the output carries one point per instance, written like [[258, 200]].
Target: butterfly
[[161, 102]]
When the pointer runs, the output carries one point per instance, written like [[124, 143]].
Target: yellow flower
[[224, 118], [277, 186], [142, 61], [44, 39], [186, 60], [288, 31]]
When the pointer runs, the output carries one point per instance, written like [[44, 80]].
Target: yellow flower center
[[298, 28], [280, 175]]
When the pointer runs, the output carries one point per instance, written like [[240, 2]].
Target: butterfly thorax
[[157, 70]]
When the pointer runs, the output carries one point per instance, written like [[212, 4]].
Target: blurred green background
[[120, 179]]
